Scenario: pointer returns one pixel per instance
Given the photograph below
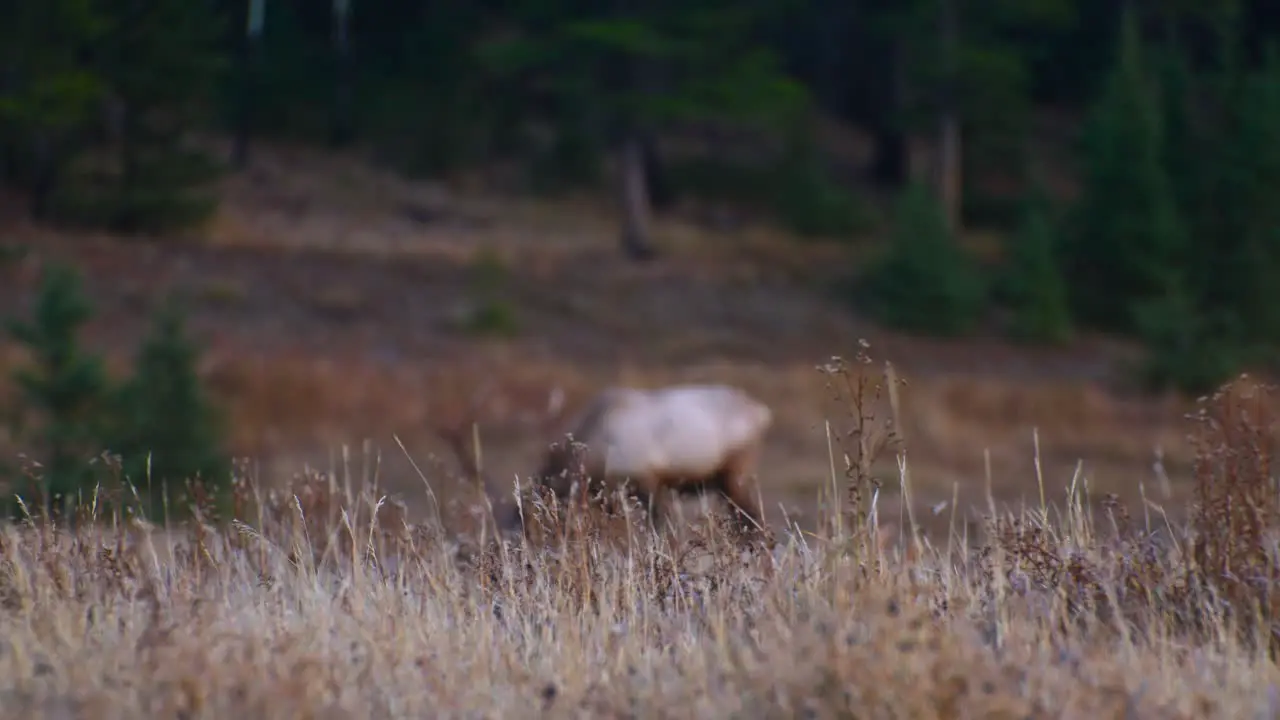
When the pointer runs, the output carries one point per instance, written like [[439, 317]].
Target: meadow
[[337, 303], [979, 266], [321, 598]]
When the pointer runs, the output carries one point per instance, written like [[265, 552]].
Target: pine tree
[[166, 430], [64, 387], [1186, 346], [806, 198], [1128, 240], [160, 60], [639, 68], [1184, 151], [1034, 284], [1225, 149], [1221, 144], [925, 283], [1238, 252], [48, 96]]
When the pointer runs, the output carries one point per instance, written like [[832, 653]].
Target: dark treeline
[[1171, 232]]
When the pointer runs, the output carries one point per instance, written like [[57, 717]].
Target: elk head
[[459, 430]]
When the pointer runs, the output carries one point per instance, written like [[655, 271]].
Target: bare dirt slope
[[334, 302]]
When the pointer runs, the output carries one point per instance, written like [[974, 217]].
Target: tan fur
[[675, 440], [684, 440]]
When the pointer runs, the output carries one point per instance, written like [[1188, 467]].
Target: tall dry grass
[[323, 601]]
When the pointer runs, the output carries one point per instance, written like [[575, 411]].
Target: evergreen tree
[[48, 96], [64, 387], [629, 72], [1238, 219], [925, 282], [165, 429], [1034, 285], [806, 198], [1128, 240], [1184, 149], [1186, 347], [1224, 150], [159, 60]]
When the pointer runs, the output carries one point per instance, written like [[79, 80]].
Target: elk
[[684, 440]]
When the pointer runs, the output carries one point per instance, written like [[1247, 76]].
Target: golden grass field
[[323, 601], [329, 297]]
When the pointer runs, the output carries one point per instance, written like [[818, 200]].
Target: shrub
[[925, 283], [809, 202], [492, 311], [1128, 236], [61, 393], [1033, 282], [164, 427], [1184, 347]]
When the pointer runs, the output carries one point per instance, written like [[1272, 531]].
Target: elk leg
[[734, 483], [506, 516], [655, 497]]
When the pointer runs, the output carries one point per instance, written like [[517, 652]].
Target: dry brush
[[323, 600]]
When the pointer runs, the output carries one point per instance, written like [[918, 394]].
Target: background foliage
[[1164, 228]]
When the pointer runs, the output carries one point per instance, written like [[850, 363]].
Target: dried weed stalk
[[863, 439], [1206, 581]]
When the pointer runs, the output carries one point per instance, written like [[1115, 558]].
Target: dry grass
[[948, 417], [289, 410], [322, 600]]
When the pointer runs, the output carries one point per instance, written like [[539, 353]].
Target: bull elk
[[680, 439]]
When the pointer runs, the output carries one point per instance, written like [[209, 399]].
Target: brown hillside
[[339, 303]]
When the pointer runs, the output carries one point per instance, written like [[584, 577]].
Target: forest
[[1151, 220], [1006, 196], [1124, 156]]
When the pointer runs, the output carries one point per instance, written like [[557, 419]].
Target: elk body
[[682, 440]]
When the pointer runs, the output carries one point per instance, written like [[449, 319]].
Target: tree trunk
[[948, 165], [244, 106], [342, 131], [661, 193], [890, 162], [950, 180], [638, 77], [125, 214], [44, 177], [8, 164], [249, 52], [636, 243]]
